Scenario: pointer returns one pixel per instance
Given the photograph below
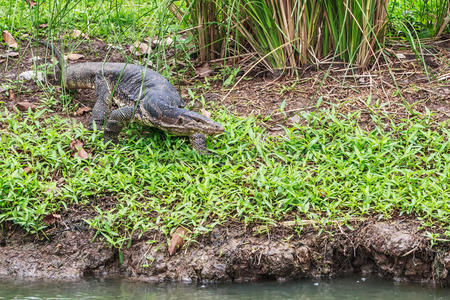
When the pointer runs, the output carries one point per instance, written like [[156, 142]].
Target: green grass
[[283, 35], [426, 17], [111, 20], [327, 169]]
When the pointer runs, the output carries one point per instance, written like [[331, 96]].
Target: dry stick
[[312, 222], [444, 24], [293, 110]]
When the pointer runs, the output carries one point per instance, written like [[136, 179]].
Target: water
[[349, 288]]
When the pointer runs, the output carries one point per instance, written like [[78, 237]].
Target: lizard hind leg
[[116, 121], [102, 106]]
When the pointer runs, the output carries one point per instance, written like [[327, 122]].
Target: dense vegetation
[[278, 34], [326, 169]]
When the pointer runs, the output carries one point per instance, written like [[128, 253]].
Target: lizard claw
[[110, 139], [198, 142]]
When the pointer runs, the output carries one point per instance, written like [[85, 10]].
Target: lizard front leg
[[198, 142], [116, 121], [102, 105]]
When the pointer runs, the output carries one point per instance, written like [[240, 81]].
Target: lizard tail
[[55, 51]]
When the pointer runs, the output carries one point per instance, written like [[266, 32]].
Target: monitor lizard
[[141, 95]]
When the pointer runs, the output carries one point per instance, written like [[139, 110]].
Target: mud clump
[[396, 250], [69, 255]]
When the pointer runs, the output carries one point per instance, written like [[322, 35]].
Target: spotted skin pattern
[[140, 94]]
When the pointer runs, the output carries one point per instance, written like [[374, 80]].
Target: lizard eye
[[180, 121]]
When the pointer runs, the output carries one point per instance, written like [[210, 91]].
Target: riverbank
[[395, 249], [353, 180]]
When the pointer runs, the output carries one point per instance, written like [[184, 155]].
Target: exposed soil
[[395, 249], [396, 81]]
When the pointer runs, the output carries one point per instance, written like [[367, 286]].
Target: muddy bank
[[394, 250]]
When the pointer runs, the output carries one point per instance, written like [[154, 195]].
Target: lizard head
[[189, 122]]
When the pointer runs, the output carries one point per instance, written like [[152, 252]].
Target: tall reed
[[289, 33]]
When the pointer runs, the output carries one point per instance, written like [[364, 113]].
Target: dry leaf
[[31, 3], [9, 39], [140, 49], [26, 170], [51, 219], [206, 113], [204, 70], [155, 41], [82, 110], [77, 145], [9, 54], [294, 119], [83, 154], [32, 75], [24, 106], [12, 97], [45, 25], [76, 33], [74, 56], [176, 241]]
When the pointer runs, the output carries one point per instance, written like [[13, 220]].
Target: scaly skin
[[141, 95]]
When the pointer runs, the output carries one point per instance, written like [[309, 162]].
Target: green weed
[[326, 169]]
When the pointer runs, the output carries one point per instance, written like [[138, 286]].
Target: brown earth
[[396, 249], [397, 85], [390, 249]]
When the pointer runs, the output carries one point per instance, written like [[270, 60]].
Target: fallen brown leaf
[[76, 33], [12, 96], [82, 110], [31, 3], [83, 154], [24, 106], [10, 41], [204, 70], [74, 56], [26, 170], [12, 54], [206, 113], [140, 49], [51, 219], [176, 241], [294, 119], [77, 145], [9, 54]]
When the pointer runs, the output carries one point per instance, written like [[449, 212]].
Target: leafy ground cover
[[326, 169]]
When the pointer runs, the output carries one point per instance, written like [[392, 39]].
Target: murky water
[[349, 288]]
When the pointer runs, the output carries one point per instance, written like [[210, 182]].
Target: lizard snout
[[200, 123]]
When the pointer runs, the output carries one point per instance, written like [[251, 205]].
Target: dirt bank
[[397, 250]]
